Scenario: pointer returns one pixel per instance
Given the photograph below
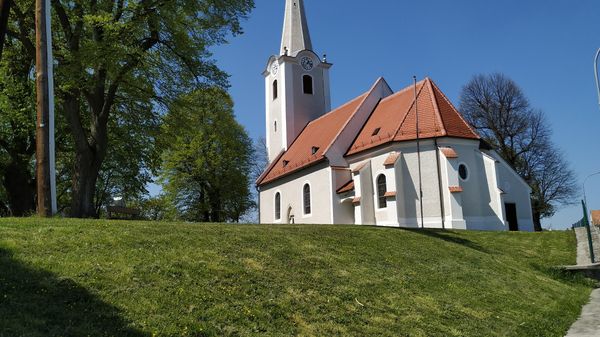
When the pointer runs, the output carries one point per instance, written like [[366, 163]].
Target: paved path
[[588, 324]]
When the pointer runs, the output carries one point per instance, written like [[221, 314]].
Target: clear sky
[[547, 47]]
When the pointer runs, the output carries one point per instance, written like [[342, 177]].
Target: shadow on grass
[[448, 237], [38, 303]]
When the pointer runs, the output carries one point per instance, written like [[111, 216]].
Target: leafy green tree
[[113, 55], [112, 52], [17, 127], [4, 15], [208, 158], [158, 208]]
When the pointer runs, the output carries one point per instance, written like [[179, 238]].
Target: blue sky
[[547, 47]]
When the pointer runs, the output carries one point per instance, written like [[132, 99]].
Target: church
[[401, 159]]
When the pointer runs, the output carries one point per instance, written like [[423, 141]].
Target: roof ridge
[[360, 105], [403, 90], [436, 107], [339, 108], [455, 110], [410, 107]]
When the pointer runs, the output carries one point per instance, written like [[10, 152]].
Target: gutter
[[439, 173], [258, 202]]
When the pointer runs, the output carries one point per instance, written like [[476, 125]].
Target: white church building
[[385, 158]]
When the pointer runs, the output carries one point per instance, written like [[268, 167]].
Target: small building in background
[[596, 218]]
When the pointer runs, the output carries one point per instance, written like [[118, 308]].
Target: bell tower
[[296, 83]]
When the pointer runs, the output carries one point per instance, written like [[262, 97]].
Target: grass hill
[[100, 278]]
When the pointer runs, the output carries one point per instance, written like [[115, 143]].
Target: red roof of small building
[[596, 217], [394, 119]]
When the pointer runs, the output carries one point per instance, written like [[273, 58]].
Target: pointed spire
[[295, 29]]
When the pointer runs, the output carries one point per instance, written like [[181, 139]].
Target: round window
[[463, 172]]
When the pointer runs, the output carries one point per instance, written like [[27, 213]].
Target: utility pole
[[46, 188], [4, 13]]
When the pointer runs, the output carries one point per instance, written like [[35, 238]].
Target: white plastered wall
[[291, 189], [480, 206], [480, 198], [516, 191], [402, 178], [343, 209]]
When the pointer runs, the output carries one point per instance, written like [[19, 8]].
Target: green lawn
[[99, 278]]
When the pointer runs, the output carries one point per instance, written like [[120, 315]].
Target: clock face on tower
[[307, 63], [274, 68]]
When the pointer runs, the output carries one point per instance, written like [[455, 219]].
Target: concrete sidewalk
[[588, 324]]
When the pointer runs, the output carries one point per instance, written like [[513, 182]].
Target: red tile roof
[[360, 167], [319, 134], [347, 187], [449, 152], [455, 189], [392, 159], [395, 118]]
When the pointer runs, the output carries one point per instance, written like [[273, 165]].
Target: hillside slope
[[100, 278]]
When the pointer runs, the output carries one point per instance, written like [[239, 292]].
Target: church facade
[[385, 158]]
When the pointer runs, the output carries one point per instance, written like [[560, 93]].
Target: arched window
[[307, 82], [306, 198], [381, 190], [277, 206], [275, 126], [275, 93]]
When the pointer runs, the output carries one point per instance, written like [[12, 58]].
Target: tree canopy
[[118, 65], [207, 157]]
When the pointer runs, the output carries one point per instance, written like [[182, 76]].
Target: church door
[[511, 216]]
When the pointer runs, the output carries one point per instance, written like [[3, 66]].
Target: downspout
[[258, 203], [439, 172]]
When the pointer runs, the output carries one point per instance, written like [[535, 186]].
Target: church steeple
[[296, 83], [295, 29]]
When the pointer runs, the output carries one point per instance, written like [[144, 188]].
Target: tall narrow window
[[381, 190], [277, 206], [307, 82], [275, 93], [306, 198]]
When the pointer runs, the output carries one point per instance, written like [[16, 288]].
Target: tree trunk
[[20, 189], [537, 221], [85, 175], [89, 156]]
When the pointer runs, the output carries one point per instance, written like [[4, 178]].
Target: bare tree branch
[[499, 110]]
